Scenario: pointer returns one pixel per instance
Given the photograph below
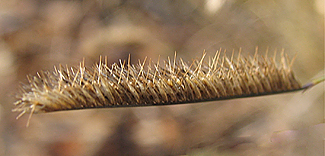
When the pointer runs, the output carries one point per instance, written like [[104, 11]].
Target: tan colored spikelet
[[150, 84]]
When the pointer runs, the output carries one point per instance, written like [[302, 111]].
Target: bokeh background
[[38, 34]]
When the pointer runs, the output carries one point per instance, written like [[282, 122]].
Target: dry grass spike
[[151, 84]]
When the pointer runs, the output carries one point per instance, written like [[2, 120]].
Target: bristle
[[147, 84]]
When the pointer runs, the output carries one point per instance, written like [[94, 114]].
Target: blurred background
[[38, 34]]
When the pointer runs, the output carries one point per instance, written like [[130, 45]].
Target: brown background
[[38, 34]]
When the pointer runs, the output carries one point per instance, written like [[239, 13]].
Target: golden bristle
[[147, 84]]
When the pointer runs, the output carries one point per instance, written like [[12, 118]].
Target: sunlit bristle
[[149, 83]]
